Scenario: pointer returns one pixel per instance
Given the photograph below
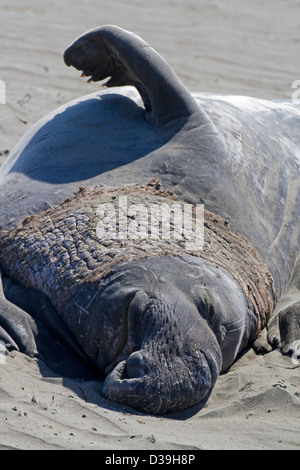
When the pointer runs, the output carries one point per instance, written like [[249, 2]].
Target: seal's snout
[[174, 369]]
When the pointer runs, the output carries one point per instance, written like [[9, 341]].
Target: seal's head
[[171, 358]]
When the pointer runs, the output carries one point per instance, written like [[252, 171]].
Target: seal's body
[[158, 321]]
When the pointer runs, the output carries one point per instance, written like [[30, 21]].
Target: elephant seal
[[157, 319]]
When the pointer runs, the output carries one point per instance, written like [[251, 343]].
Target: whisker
[[236, 329], [236, 321]]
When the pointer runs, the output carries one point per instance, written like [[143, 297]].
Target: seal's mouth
[[168, 386]]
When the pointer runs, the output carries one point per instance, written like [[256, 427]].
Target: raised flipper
[[283, 329], [109, 51]]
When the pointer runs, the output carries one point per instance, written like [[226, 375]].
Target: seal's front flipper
[[290, 331], [284, 327], [109, 51], [17, 329], [40, 309], [52, 342]]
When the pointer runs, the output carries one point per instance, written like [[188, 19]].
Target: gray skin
[[239, 156]]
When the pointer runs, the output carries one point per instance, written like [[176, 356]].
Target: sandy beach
[[235, 47]]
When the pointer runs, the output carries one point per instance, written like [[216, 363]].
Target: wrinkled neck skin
[[169, 326]]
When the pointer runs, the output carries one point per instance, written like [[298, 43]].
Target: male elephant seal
[[159, 319]]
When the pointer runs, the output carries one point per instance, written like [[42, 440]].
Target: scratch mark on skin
[[85, 309], [156, 278], [92, 300], [152, 288], [81, 311], [13, 205]]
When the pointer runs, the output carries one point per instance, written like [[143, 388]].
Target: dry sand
[[237, 47]]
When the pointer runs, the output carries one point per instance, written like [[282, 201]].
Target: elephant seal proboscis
[[157, 321]]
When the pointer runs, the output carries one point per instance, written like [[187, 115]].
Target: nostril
[[136, 366]]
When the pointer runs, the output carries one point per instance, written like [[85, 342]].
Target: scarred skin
[[157, 322]]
